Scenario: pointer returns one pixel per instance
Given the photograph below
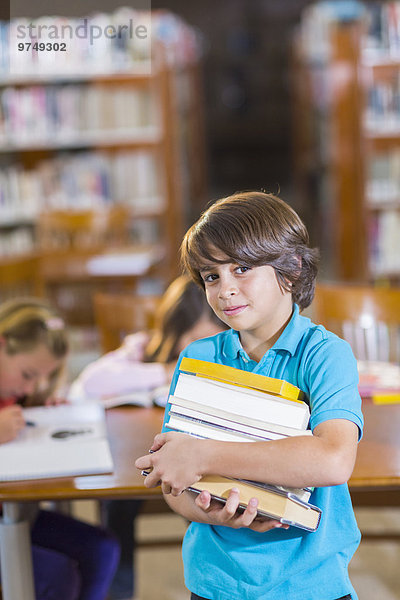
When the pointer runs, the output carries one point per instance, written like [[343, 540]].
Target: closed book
[[209, 430], [242, 401], [232, 375], [205, 430], [273, 502], [252, 426]]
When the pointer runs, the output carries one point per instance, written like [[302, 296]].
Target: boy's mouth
[[233, 310]]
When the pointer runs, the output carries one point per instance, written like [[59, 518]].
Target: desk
[[131, 431], [376, 476], [375, 481], [72, 276]]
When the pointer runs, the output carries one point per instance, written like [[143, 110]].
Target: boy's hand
[[11, 422], [175, 462], [227, 514]]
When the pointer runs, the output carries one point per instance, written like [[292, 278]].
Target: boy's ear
[[2, 342]]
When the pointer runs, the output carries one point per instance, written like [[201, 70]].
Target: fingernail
[[253, 502], [235, 489]]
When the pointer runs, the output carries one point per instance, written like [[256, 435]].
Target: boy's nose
[[227, 288]]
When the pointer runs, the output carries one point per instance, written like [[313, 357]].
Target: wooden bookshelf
[[349, 139], [152, 149]]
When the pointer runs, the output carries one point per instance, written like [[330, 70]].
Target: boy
[[250, 252]]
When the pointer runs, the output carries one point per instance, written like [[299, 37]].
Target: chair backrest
[[19, 277], [67, 229], [117, 315], [367, 317]]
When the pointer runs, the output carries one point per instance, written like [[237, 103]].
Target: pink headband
[[54, 324]]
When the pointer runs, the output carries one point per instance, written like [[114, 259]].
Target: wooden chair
[[67, 229], [68, 241], [19, 277], [117, 315], [367, 317]]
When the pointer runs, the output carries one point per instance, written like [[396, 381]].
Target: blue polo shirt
[[221, 563]]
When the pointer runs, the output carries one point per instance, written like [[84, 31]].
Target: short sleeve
[[331, 382]]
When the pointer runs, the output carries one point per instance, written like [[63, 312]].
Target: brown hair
[[26, 323], [254, 229], [181, 307]]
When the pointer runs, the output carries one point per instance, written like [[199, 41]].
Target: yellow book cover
[[231, 375]]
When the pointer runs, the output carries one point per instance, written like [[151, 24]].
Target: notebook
[[58, 441]]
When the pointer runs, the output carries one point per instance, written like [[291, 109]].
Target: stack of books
[[223, 403]]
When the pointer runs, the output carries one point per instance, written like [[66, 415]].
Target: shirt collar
[[288, 340], [293, 332]]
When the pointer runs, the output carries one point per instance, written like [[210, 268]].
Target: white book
[[242, 401], [204, 430], [212, 432], [58, 441], [205, 414]]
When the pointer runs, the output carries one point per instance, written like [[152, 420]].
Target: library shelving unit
[[94, 134], [347, 142]]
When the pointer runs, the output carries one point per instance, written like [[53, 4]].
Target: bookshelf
[[111, 125], [347, 145]]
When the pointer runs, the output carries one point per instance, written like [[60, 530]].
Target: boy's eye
[[209, 277], [241, 269]]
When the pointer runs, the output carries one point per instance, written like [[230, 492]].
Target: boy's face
[[249, 300], [23, 373]]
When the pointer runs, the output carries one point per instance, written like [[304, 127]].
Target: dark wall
[[246, 82]]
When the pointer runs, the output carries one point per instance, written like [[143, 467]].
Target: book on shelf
[[273, 502], [58, 441], [215, 409]]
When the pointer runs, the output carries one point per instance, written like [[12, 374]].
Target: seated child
[[72, 560], [250, 252]]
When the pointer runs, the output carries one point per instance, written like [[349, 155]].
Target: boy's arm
[[326, 458]]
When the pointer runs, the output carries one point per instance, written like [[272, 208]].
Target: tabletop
[[132, 429]]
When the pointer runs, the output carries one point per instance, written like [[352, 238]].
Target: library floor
[[374, 570]]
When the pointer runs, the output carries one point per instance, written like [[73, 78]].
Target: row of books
[[383, 179], [60, 113], [382, 113], [230, 405], [17, 241], [383, 36], [123, 40], [384, 230], [380, 20], [83, 180]]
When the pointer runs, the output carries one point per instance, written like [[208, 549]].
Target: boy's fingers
[[142, 462], [251, 512], [203, 500], [232, 502], [158, 442]]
